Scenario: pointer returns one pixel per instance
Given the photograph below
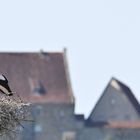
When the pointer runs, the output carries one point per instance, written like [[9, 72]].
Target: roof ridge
[[127, 91], [28, 52]]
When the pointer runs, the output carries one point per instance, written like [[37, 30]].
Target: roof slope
[[117, 103], [37, 77]]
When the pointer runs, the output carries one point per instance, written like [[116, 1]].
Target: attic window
[[113, 101], [37, 87]]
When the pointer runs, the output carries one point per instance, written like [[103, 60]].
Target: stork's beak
[[10, 94]]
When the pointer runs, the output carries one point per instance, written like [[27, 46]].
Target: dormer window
[[37, 87]]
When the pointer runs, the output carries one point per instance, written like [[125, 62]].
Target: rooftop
[[38, 77]]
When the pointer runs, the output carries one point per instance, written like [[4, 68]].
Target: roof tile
[[45, 68]]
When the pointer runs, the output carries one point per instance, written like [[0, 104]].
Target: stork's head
[[3, 78]]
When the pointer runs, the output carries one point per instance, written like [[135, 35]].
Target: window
[[113, 101], [69, 136], [62, 114], [38, 110], [127, 117], [37, 87], [38, 128]]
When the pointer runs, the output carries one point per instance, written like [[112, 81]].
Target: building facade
[[43, 80]]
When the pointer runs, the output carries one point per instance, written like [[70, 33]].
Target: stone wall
[[53, 122], [109, 134]]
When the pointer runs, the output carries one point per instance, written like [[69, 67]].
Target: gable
[[117, 103]]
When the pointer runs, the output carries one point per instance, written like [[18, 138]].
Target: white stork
[[4, 87]]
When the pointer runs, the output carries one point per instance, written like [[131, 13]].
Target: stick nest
[[12, 113]]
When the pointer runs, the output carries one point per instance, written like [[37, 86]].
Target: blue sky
[[102, 38]]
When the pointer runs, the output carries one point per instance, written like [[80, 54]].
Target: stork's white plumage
[[4, 87]]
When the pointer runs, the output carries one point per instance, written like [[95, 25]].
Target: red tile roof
[[131, 124], [32, 72], [114, 124]]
